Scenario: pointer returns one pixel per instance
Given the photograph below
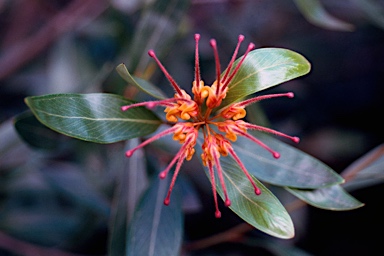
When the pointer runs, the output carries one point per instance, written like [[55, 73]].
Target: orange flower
[[198, 114]]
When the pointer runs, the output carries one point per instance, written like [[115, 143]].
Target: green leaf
[[330, 198], [140, 83], [93, 117], [264, 68], [264, 211], [366, 171], [156, 229], [35, 133], [315, 13], [294, 168]]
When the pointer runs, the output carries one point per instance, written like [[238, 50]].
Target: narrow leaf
[[140, 83], [264, 68], [294, 168], [93, 117], [35, 133], [315, 13], [366, 171], [264, 211], [156, 229], [330, 198]]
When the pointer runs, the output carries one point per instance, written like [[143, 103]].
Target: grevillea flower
[[219, 126]]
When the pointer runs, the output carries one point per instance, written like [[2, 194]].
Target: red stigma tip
[[257, 191], [290, 95], [296, 139], [218, 214], [166, 201], [124, 108], [162, 175], [151, 53], [276, 155], [251, 46], [227, 202], [241, 38], [129, 153], [212, 42], [197, 36]]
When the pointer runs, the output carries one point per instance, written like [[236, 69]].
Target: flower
[[220, 125]]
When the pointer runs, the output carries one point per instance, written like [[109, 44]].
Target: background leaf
[[294, 168], [141, 84], [35, 133], [93, 117], [264, 68], [330, 198], [156, 229], [315, 13]]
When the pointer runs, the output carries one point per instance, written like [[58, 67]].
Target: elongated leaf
[[366, 171], [93, 117], [264, 68], [294, 168], [264, 211], [156, 229], [140, 83], [329, 198], [315, 13], [35, 133]]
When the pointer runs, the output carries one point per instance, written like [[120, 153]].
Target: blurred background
[[56, 193]]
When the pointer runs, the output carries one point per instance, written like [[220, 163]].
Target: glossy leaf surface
[[140, 83], [156, 229], [330, 198], [93, 117], [264, 211], [294, 168], [264, 68]]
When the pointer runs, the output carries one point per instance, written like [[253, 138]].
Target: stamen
[[240, 40], [274, 153], [251, 46], [268, 130], [129, 153], [222, 182], [197, 66], [177, 170], [179, 154], [264, 97], [152, 104], [237, 159], [152, 54], [213, 184], [217, 61]]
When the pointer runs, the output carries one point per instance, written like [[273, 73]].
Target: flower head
[[189, 115]]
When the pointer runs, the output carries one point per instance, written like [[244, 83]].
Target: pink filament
[[152, 54], [177, 170], [237, 159], [221, 178], [274, 153], [264, 97], [129, 153], [268, 130], [251, 46], [240, 40], [197, 66], [217, 62], [213, 184]]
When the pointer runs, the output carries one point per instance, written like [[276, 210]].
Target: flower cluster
[[219, 126]]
